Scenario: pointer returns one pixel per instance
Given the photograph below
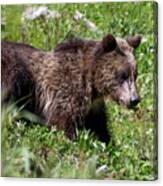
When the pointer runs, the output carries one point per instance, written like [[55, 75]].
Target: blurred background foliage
[[30, 150]]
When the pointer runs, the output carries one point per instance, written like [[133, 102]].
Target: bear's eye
[[122, 76]]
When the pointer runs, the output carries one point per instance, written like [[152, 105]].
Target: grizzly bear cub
[[67, 86]]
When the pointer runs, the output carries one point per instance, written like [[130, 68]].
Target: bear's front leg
[[64, 118], [96, 120]]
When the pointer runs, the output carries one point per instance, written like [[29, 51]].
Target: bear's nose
[[134, 101]]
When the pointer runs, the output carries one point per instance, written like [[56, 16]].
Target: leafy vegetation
[[31, 150]]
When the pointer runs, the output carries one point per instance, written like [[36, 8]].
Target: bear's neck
[[89, 68]]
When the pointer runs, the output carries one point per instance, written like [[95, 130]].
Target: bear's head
[[115, 69]]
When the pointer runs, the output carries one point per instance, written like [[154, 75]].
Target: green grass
[[30, 150]]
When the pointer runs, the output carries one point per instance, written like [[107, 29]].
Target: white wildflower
[[126, 13], [149, 131], [152, 50], [33, 13], [102, 169], [78, 15], [53, 14], [144, 39], [41, 11], [141, 55], [53, 129], [91, 25], [18, 124]]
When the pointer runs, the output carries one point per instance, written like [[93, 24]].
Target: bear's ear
[[109, 43], [134, 41]]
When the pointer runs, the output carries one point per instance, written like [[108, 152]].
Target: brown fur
[[63, 84]]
